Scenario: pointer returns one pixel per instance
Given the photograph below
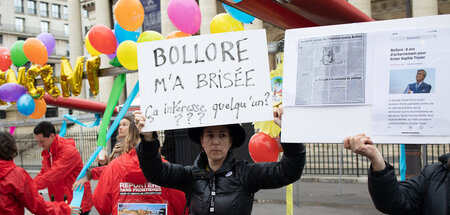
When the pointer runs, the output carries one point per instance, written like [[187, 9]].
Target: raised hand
[[363, 145]]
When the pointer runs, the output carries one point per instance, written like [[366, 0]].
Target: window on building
[[67, 49], [45, 26], [21, 38], [65, 12], [66, 30], [43, 7], [1, 39], [18, 6], [55, 11], [85, 13], [19, 24], [2, 114], [51, 112], [31, 6]]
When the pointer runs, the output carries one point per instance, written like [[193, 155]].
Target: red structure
[[77, 104]]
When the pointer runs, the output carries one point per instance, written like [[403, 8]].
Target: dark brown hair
[[8, 149]]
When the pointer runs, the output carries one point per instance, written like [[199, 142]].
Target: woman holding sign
[[216, 183]]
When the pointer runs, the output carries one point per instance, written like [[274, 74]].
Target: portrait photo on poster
[[412, 81]]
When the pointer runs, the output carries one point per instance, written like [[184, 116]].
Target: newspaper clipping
[[331, 70]]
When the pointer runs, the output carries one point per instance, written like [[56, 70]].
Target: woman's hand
[[75, 210], [277, 113], [77, 184], [363, 145], [139, 120]]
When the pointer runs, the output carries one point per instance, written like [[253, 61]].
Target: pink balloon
[[185, 15]]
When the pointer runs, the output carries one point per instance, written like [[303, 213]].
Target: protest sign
[[205, 80], [356, 78]]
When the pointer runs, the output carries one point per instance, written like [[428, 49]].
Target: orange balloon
[[129, 14], [40, 107], [177, 34], [35, 51]]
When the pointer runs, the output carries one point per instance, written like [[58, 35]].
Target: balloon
[[102, 39], [40, 107], [48, 40], [177, 34], [17, 56], [25, 105], [185, 15], [223, 22], [122, 34], [35, 51], [129, 14], [89, 47], [115, 62], [127, 54], [150, 36], [238, 15], [11, 92], [263, 148], [5, 59]]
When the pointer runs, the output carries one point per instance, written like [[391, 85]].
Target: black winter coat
[[229, 190], [426, 193]]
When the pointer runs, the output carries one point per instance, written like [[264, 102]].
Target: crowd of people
[[137, 174]]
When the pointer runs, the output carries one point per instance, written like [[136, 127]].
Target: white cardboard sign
[[205, 80]]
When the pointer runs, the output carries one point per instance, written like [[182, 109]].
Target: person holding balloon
[[216, 183], [61, 164], [18, 191]]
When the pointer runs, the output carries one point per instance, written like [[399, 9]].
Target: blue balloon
[[122, 34], [25, 105], [238, 15]]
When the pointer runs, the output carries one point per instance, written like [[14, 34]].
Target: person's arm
[[159, 173], [66, 162], [28, 195]]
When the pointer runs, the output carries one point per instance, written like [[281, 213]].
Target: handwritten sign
[[205, 80]]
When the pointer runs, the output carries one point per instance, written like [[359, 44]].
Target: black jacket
[[426, 193], [229, 190]]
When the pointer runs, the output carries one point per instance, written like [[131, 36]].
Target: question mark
[[189, 117], [201, 114], [178, 117], [267, 94]]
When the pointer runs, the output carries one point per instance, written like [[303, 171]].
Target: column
[[424, 8], [76, 37], [362, 5], [166, 24], [208, 9]]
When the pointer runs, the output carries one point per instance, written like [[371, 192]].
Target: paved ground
[[313, 195]]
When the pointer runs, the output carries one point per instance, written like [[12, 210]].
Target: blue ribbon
[[78, 194], [402, 163], [62, 131]]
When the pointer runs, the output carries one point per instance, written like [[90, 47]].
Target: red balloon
[[263, 148], [5, 59], [102, 39]]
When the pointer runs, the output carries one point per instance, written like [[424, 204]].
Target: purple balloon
[[48, 40], [114, 54], [11, 92]]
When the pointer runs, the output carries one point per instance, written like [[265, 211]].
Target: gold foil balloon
[[2, 81], [92, 68], [11, 77], [46, 73], [32, 73], [71, 79], [22, 76]]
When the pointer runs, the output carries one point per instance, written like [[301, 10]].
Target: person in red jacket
[[61, 164], [17, 188], [122, 186]]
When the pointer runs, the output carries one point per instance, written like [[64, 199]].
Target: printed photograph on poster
[[409, 81], [331, 70], [142, 208]]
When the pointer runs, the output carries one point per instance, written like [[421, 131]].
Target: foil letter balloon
[[71, 79], [47, 77], [92, 68], [32, 73]]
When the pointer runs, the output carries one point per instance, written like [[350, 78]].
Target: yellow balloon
[[127, 54], [223, 22], [150, 36], [89, 47]]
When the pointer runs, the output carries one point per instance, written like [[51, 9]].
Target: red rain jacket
[[97, 172], [59, 170], [122, 181], [18, 191]]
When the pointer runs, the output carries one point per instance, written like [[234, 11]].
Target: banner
[[152, 18], [205, 80]]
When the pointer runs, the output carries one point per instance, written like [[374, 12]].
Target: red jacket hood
[[6, 167]]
